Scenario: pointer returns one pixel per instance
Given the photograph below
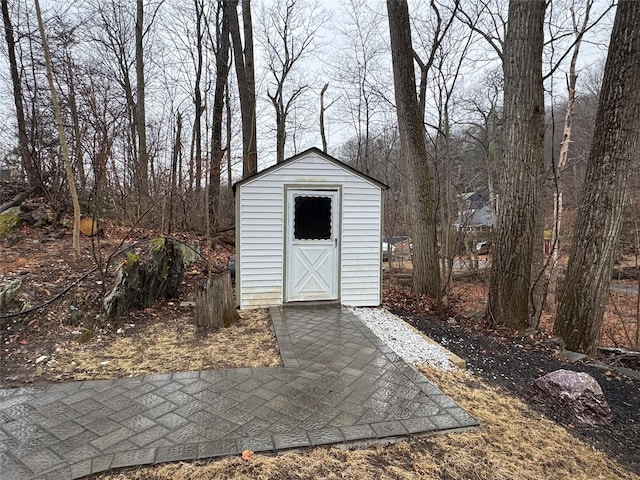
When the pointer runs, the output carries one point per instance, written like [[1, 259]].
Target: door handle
[[336, 242]]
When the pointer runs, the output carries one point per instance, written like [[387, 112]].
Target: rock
[[573, 356], [12, 239], [41, 358], [75, 316], [156, 273], [577, 392], [9, 221], [7, 291], [39, 217]]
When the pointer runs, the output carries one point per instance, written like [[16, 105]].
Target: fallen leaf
[[23, 341], [247, 454]]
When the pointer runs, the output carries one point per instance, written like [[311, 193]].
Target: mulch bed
[[514, 362]]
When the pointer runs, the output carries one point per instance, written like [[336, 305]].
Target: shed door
[[312, 245]]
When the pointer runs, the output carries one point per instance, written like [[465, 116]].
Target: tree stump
[[142, 279], [215, 307]]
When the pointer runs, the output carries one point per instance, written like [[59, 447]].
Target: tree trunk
[[426, 274], [322, 109], [246, 83], [28, 162], [199, 108], [584, 298], [75, 119], [217, 151], [215, 307], [142, 170], [227, 101], [539, 279], [511, 276], [250, 90], [175, 155], [281, 131], [558, 194], [63, 140]]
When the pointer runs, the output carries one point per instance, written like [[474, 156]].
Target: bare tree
[[287, 35], [584, 297], [426, 276], [447, 44], [437, 32], [26, 156], [482, 109], [486, 17], [359, 67], [579, 28], [223, 45], [112, 37], [142, 171], [519, 209], [243, 58], [197, 94], [176, 152], [63, 140], [323, 108]]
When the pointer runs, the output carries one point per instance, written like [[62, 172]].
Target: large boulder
[[155, 273], [577, 392]]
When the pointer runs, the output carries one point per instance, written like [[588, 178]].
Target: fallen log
[[17, 200], [620, 357]]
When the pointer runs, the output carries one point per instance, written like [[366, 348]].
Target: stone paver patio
[[339, 384]]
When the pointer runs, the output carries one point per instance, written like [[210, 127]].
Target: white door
[[312, 245]]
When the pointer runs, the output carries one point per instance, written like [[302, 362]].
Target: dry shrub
[[471, 298], [513, 443], [620, 323], [398, 297], [618, 328]]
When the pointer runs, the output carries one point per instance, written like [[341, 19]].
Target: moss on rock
[[142, 279], [9, 221]]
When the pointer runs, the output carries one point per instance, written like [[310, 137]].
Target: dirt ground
[[68, 339]]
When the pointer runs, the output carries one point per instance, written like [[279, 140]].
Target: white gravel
[[401, 339]]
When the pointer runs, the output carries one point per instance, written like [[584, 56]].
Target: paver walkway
[[339, 384]]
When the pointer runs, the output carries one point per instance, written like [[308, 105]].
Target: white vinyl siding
[[261, 234], [361, 234]]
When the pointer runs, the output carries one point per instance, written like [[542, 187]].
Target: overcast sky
[[331, 62]]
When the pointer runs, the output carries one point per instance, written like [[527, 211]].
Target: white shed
[[309, 229]]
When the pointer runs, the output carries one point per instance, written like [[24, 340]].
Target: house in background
[[309, 229], [472, 200], [476, 217]]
